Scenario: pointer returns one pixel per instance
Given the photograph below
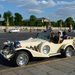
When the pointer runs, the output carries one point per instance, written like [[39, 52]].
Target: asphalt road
[[4, 64]]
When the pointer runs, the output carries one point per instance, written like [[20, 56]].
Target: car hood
[[31, 42]]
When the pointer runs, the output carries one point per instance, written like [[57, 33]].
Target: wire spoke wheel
[[21, 58], [68, 52]]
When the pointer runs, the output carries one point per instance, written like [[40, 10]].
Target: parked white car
[[14, 30], [71, 30], [21, 51]]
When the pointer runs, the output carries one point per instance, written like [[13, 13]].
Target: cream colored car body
[[30, 44], [55, 49]]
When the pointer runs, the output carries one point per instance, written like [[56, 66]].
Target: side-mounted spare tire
[[21, 58]]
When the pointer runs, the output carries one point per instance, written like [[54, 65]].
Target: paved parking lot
[[64, 66]]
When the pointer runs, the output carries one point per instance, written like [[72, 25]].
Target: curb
[[33, 64]]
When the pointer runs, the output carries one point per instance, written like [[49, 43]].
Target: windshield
[[43, 36]]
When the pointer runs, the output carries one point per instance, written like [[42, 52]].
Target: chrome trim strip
[[54, 54], [5, 56]]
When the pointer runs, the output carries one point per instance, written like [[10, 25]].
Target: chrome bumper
[[5, 56]]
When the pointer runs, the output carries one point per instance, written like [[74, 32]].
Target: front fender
[[33, 52]]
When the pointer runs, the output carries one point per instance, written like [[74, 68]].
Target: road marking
[[2, 70], [24, 66], [34, 64]]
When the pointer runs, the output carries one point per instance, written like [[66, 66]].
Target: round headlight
[[17, 44], [46, 49]]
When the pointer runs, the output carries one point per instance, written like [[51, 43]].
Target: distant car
[[71, 30], [14, 30], [48, 30]]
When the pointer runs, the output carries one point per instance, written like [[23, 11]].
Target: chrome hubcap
[[69, 53], [22, 59]]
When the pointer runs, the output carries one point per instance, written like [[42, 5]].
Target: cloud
[[19, 1], [64, 12], [35, 6], [1, 7], [48, 4], [43, 4], [38, 4], [2, 0], [34, 11]]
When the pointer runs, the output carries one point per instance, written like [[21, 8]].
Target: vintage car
[[21, 51]]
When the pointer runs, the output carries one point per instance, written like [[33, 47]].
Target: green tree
[[32, 18], [54, 24], [0, 15], [39, 23], [45, 23], [60, 22], [74, 25], [8, 15], [32, 23], [0, 21], [11, 22], [3, 23], [69, 21], [63, 24], [18, 19], [25, 23]]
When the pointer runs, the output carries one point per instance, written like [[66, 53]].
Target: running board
[[54, 54]]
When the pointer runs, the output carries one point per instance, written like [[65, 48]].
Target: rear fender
[[66, 45]]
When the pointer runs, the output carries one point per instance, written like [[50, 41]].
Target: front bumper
[[5, 56]]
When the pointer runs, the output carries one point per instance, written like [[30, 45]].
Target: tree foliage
[[45, 23], [69, 21], [54, 24], [39, 23], [59, 22], [18, 19], [0, 21], [25, 23], [32, 18], [32, 23], [0, 15], [8, 15]]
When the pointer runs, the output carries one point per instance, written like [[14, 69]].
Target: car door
[[54, 48]]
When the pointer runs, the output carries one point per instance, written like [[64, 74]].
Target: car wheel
[[21, 58], [68, 52]]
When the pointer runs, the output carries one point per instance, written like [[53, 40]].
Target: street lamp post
[[65, 26], [61, 25], [7, 23]]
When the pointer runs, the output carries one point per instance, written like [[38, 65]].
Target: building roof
[[38, 19], [42, 18]]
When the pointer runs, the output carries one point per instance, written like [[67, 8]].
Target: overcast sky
[[51, 9]]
